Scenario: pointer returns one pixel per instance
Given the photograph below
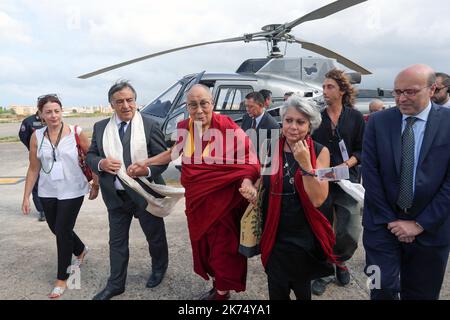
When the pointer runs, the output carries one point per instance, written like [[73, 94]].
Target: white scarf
[[112, 146]]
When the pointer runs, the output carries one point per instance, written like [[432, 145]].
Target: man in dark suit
[[258, 123], [406, 174], [122, 201]]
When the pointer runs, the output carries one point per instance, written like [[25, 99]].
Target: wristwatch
[[418, 224]]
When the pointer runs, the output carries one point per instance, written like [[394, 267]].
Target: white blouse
[[54, 182]]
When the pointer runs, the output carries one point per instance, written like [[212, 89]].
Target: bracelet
[[307, 173]]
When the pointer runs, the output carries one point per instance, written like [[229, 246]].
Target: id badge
[[57, 172], [343, 149]]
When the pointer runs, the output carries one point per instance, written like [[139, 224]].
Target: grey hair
[[303, 106], [118, 86]]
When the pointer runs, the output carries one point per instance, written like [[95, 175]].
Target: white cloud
[[68, 38], [12, 30]]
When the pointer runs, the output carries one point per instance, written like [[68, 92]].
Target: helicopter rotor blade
[[331, 54], [122, 64], [323, 12]]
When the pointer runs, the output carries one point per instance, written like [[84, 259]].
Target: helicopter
[[277, 73]]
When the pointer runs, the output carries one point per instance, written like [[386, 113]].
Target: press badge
[[343, 149], [57, 172]]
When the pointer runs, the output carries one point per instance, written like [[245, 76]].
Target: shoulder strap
[[77, 138]]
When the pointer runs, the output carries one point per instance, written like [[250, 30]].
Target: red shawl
[[320, 225], [212, 190]]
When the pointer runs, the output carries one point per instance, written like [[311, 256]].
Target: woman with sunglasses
[[62, 184], [297, 239]]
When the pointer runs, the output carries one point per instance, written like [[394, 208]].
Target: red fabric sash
[[212, 189], [320, 225]]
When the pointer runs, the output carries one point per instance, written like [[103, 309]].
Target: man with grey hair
[[406, 172], [112, 149], [441, 93], [376, 105], [341, 132]]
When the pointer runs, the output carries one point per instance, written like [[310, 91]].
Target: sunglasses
[[46, 96]]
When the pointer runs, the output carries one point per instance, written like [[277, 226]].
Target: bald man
[[376, 105], [214, 205], [406, 170]]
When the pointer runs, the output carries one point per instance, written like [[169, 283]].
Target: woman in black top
[[297, 240]]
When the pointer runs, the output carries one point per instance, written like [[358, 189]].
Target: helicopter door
[[230, 100]]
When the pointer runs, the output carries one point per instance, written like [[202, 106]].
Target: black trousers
[[281, 290], [406, 271], [119, 228], [344, 214], [61, 216]]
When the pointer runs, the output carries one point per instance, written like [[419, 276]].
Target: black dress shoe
[[155, 279], [107, 294]]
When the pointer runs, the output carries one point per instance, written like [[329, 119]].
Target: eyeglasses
[[408, 93], [439, 89], [203, 104], [46, 96]]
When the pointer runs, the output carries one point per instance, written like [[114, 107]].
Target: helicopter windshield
[[161, 105]]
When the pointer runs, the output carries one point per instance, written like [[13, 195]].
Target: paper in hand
[[333, 174]]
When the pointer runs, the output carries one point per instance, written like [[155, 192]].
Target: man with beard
[[441, 95]]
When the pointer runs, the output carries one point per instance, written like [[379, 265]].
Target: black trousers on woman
[[61, 217]]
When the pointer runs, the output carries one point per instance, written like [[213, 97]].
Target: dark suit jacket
[[155, 145], [381, 175], [267, 122]]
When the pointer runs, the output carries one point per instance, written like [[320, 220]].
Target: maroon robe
[[214, 205]]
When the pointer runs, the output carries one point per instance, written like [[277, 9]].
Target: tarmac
[[28, 252]]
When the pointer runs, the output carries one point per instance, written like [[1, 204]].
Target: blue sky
[[46, 44]]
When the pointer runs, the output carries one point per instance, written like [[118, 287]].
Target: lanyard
[[57, 140]]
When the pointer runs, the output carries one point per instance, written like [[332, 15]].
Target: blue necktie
[[406, 194], [254, 123], [122, 130]]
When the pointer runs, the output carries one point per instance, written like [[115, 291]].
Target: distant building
[[23, 110], [27, 110]]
